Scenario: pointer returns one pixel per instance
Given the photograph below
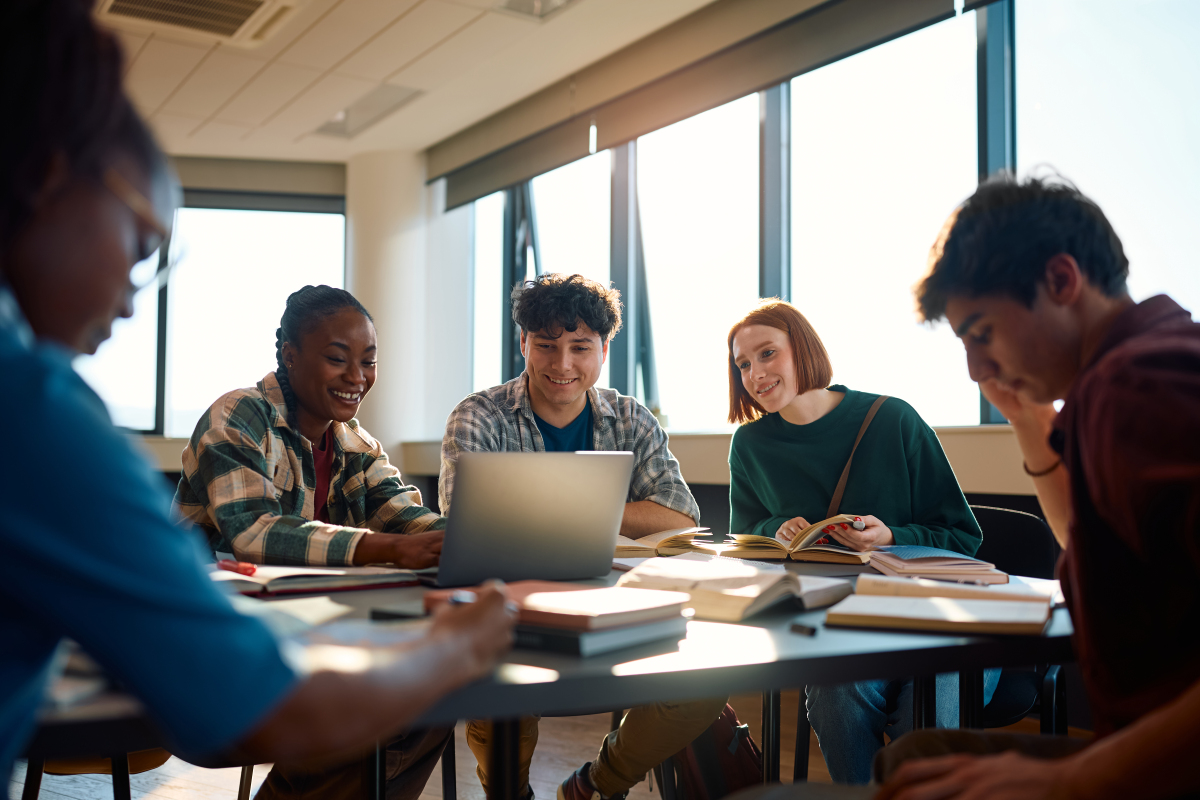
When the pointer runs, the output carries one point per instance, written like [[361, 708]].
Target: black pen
[[803, 630]]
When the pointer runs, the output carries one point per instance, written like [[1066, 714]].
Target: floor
[[564, 744]]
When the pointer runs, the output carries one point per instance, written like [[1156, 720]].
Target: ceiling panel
[[213, 82], [160, 67], [465, 50], [173, 130], [131, 44], [314, 108], [344, 30], [219, 134], [308, 14], [407, 39], [274, 87]]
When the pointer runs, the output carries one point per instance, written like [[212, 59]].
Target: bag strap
[[841, 484]]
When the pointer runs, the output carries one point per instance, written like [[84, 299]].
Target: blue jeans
[[850, 719]]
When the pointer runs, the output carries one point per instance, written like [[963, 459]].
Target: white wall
[[410, 265]]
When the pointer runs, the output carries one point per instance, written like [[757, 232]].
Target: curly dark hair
[[560, 302], [305, 308], [60, 87], [999, 240]]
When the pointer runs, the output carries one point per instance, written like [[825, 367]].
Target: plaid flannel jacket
[[249, 479], [501, 419]]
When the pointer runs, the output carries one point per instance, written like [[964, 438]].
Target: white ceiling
[[468, 61]]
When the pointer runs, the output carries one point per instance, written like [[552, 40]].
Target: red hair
[[813, 370]]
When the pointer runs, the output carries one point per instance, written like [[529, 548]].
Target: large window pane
[[490, 293], [228, 292], [574, 217], [1106, 95], [123, 370], [698, 194], [883, 149]]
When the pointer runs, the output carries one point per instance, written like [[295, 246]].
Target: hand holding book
[[872, 534]]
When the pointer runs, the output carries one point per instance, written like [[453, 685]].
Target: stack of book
[[926, 605], [573, 619]]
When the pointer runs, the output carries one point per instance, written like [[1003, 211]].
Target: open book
[[664, 543], [730, 590], [284, 580], [803, 547]]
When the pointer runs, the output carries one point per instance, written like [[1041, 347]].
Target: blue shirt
[[109, 569], [577, 435]]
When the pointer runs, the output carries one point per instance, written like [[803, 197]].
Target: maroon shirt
[[323, 466], [1129, 434]]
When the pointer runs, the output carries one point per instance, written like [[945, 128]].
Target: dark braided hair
[[305, 308], [60, 88]]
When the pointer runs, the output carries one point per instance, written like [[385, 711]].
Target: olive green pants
[[647, 735]]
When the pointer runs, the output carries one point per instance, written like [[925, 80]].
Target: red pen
[[240, 567]]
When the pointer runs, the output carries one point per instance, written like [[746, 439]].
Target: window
[[490, 294], [572, 205], [234, 270], [1105, 94], [698, 198], [884, 146], [228, 292], [123, 370]]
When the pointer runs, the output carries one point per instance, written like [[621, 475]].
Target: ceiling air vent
[[540, 10], [247, 23]]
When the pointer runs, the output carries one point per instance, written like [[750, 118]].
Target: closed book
[[1018, 590], [269, 579], [940, 614], [595, 642], [568, 606], [915, 561]]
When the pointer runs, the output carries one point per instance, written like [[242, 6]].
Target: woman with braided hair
[[90, 548], [282, 473]]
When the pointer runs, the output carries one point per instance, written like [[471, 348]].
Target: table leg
[[449, 771], [803, 738], [506, 738], [120, 773], [970, 698], [924, 702], [770, 736], [33, 779]]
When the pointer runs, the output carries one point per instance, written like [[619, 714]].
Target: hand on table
[[1008, 776], [417, 550], [486, 625], [788, 530], [875, 534]]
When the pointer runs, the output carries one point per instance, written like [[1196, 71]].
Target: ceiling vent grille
[[240, 22]]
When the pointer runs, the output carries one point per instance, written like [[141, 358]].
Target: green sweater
[[900, 474]]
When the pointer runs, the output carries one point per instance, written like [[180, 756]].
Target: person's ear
[[603, 352], [1064, 279], [289, 355], [524, 345]]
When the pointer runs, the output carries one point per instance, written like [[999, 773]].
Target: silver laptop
[[550, 516]]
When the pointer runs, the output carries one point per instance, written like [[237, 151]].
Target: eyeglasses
[[154, 270]]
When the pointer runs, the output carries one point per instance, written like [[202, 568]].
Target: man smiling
[[566, 324]]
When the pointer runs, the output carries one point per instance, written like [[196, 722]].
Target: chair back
[[1016, 542]]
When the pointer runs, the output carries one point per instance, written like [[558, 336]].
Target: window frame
[[631, 351]]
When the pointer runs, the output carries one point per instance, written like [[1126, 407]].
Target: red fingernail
[[858, 519], [845, 527]]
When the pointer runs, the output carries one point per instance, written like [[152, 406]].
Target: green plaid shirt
[[249, 480]]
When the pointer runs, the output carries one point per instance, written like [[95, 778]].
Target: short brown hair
[[813, 370], [554, 301]]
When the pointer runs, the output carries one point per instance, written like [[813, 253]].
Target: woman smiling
[[282, 473], [785, 462]]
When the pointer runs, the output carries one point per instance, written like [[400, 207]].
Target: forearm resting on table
[[337, 713], [1152, 758], [644, 517], [375, 548]]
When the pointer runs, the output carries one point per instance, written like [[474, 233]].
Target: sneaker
[[578, 786]]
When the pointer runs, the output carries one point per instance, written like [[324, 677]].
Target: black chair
[[1020, 544]]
